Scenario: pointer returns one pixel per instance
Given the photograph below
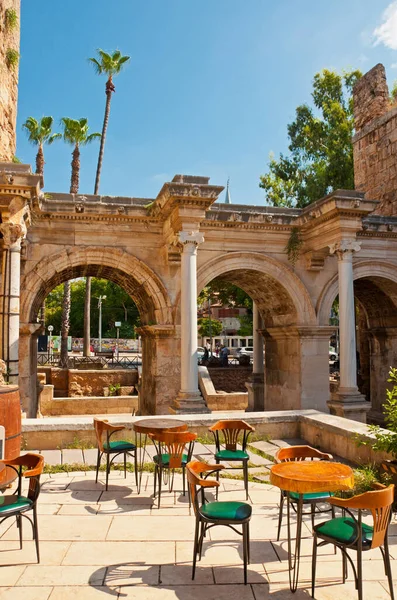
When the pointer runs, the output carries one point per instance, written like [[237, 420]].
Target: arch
[[124, 269], [376, 271], [280, 295]]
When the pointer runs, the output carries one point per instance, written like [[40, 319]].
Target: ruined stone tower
[[375, 141], [9, 64]]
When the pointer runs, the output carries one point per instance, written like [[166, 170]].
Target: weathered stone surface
[[9, 40]]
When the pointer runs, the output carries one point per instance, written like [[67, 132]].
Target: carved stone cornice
[[12, 233], [156, 331], [344, 247], [185, 191], [190, 237]]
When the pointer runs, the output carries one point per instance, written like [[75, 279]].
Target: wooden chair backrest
[[103, 426], [34, 464], [173, 443], [194, 471], [294, 453], [379, 502], [231, 429]]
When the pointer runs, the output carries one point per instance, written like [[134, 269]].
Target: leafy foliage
[[109, 64], [386, 440], [16, 160], [11, 19], [12, 58], [40, 132], [75, 132], [207, 327], [321, 154], [294, 245], [226, 293], [118, 306], [246, 325]]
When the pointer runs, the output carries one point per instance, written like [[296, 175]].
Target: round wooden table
[[145, 426], [307, 477]]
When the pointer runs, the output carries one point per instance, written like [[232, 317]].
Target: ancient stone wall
[[9, 64], [230, 379], [375, 141]]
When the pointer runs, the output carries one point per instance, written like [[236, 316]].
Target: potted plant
[[114, 388], [385, 440]]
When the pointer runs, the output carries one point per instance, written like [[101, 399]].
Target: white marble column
[[258, 366], [9, 297], [348, 394]]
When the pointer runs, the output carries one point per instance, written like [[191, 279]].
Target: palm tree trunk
[[40, 161], [87, 317], [65, 325], [75, 177], [109, 90]]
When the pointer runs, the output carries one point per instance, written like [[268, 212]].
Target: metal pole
[[100, 323], [117, 345], [209, 322]]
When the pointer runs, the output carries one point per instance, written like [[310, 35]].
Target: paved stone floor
[[97, 545]]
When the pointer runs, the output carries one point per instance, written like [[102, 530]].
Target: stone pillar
[[255, 384], [347, 402], [297, 367], [9, 297], [189, 399], [383, 354], [28, 382]]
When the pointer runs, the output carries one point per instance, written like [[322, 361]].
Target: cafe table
[[145, 426], [306, 478]]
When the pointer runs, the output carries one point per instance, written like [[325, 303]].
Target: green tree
[[246, 325], [109, 65], [75, 133], [40, 133], [208, 327], [225, 293], [321, 153]]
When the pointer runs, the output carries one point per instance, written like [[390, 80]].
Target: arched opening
[[294, 346], [375, 292], [142, 285]]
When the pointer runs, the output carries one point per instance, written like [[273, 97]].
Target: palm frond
[[46, 122], [53, 137], [116, 56], [121, 62], [97, 65], [92, 137]]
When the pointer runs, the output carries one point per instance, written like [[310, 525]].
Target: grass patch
[[261, 453], [12, 58], [11, 19]]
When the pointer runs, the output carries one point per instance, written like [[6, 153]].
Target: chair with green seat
[[17, 505], [228, 435], [171, 453], [300, 453], [350, 533], [112, 449], [210, 514]]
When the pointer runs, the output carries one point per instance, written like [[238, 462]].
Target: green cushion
[[165, 459], [119, 446], [230, 511], [232, 455], [310, 497], [344, 530], [11, 502]]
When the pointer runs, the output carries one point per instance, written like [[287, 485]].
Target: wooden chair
[[210, 514], [171, 454], [299, 453], [114, 449], [230, 431], [16, 505], [350, 533]]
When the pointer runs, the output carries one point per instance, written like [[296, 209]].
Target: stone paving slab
[[52, 457], [72, 456]]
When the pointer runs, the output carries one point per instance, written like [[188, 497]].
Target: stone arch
[[280, 295], [376, 272], [124, 269]]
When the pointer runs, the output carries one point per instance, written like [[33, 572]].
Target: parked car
[[333, 355], [247, 350], [200, 353]]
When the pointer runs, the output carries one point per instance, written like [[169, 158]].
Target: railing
[[123, 362]]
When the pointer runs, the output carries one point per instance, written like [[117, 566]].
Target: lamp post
[[100, 321], [50, 329]]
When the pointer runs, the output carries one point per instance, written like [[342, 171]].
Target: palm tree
[[75, 132], [109, 65], [40, 133]]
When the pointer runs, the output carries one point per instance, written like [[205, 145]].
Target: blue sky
[[209, 90]]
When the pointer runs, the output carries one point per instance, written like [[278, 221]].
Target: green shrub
[[12, 58], [11, 19], [114, 388]]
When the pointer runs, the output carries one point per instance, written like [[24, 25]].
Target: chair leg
[[386, 560], [125, 465], [314, 560], [183, 481], [248, 543], [245, 469], [107, 470], [36, 533], [155, 481], [217, 478], [201, 540], [245, 557], [280, 514], [136, 468], [195, 547], [98, 464], [359, 574], [160, 471], [19, 525]]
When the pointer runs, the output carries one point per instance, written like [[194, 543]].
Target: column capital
[[344, 249], [12, 233], [190, 240]]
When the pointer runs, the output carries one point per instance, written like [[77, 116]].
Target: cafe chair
[[228, 435], [173, 451], [210, 514], [30, 466], [300, 453], [350, 533], [112, 449]]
